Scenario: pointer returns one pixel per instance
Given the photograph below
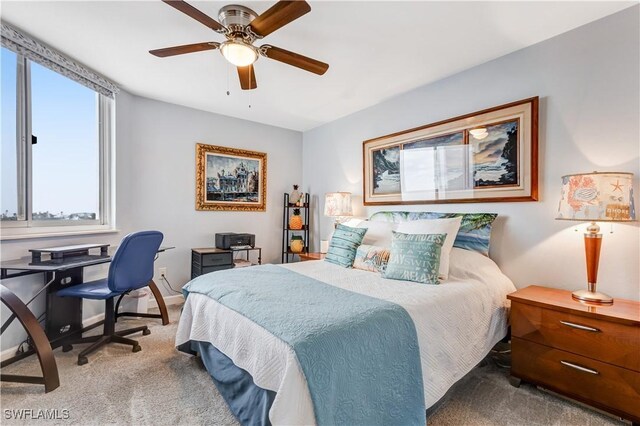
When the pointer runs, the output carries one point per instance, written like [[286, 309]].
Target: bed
[[266, 379]]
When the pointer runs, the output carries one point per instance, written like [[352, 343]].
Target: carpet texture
[[160, 386]]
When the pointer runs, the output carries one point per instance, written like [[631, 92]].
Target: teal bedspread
[[359, 354]]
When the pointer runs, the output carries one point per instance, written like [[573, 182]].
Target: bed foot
[[514, 381]]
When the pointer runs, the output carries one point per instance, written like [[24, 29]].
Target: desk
[[64, 314]]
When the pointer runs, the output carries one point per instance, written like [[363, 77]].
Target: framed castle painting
[[486, 156], [230, 179]]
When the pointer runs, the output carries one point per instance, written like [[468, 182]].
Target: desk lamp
[[337, 205], [596, 197]]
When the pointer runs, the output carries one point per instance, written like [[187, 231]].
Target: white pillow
[[352, 222], [435, 226], [378, 233]]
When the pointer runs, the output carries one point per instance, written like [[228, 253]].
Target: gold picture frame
[[486, 156], [230, 179]]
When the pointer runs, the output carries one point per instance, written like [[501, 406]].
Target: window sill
[[9, 234]]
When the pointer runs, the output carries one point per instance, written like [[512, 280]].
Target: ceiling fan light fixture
[[238, 53]]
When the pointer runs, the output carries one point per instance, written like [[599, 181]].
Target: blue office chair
[[130, 269]]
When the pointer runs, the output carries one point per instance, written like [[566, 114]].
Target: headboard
[[475, 229]]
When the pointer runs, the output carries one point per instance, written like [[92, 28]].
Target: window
[[56, 141], [9, 196]]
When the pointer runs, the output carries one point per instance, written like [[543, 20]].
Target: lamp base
[[592, 297]]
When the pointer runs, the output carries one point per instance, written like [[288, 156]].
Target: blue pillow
[[474, 233], [344, 244], [415, 257]]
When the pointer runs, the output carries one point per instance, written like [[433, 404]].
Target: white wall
[[155, 189], [587, 80]]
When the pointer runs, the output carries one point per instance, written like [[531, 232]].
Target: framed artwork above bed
[[486, 156], [230, 179]]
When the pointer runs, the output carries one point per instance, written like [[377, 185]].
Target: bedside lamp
[[337, 205], [596, 197]]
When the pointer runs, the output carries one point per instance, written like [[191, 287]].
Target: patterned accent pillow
[[371, 258], [343, 245], [474, 233], [415, 257]]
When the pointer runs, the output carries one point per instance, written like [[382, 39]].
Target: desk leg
[[50, 378], [160, 301]]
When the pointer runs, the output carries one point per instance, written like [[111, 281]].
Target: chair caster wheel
[[66, 348], [146, 332], [82, 360], [136, 348]]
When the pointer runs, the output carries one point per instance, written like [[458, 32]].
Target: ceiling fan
[[242, 27]]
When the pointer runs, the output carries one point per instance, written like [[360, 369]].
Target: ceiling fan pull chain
[[228, 92]]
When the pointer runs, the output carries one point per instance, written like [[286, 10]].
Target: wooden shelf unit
[[287, 232]]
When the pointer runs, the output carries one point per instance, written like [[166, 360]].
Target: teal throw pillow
[[344, 244], [415, 257]]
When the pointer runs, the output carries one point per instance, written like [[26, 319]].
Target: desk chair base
[[109, 335], [163, 315]]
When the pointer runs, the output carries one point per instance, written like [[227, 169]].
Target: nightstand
[[587, 352], [311, 256], [205, 260]]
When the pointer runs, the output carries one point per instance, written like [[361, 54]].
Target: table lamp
[[596, 197], [337, 205]]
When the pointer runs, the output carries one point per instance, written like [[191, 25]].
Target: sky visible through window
[[9, 186], [65, 161]]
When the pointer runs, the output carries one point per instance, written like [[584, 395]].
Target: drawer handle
[[579, 367], [580, 327]]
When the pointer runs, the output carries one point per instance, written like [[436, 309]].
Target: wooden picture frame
[[486, 156], [230, 179]]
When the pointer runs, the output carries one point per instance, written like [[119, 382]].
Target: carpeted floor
[[160, 386]]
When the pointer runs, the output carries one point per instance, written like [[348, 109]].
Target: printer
[[229, 240]]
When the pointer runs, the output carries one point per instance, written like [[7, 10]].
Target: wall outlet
[[162, 272]]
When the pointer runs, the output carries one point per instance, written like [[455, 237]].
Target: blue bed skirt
[[247, 401]]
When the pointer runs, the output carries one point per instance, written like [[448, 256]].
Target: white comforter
[[457, 323]]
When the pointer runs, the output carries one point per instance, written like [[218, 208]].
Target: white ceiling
[[376, 50]]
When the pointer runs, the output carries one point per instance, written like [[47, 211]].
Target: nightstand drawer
[[610, 342], [602, 385], [217, 259]]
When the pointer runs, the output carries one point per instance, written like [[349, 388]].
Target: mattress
[[457, 323]]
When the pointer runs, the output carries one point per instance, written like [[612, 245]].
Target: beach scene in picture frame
[[232, 179], [386, 170], [495, 157], [489, 155], [436, 163], [447, 163]]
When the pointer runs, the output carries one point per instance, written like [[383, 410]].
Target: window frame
[[27, 227]]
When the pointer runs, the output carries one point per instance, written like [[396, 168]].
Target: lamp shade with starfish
[[596, 197]]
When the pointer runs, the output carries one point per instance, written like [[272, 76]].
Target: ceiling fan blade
[[185, 48], [279, 15], [247, 77], [194, 13], [294, 59]]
